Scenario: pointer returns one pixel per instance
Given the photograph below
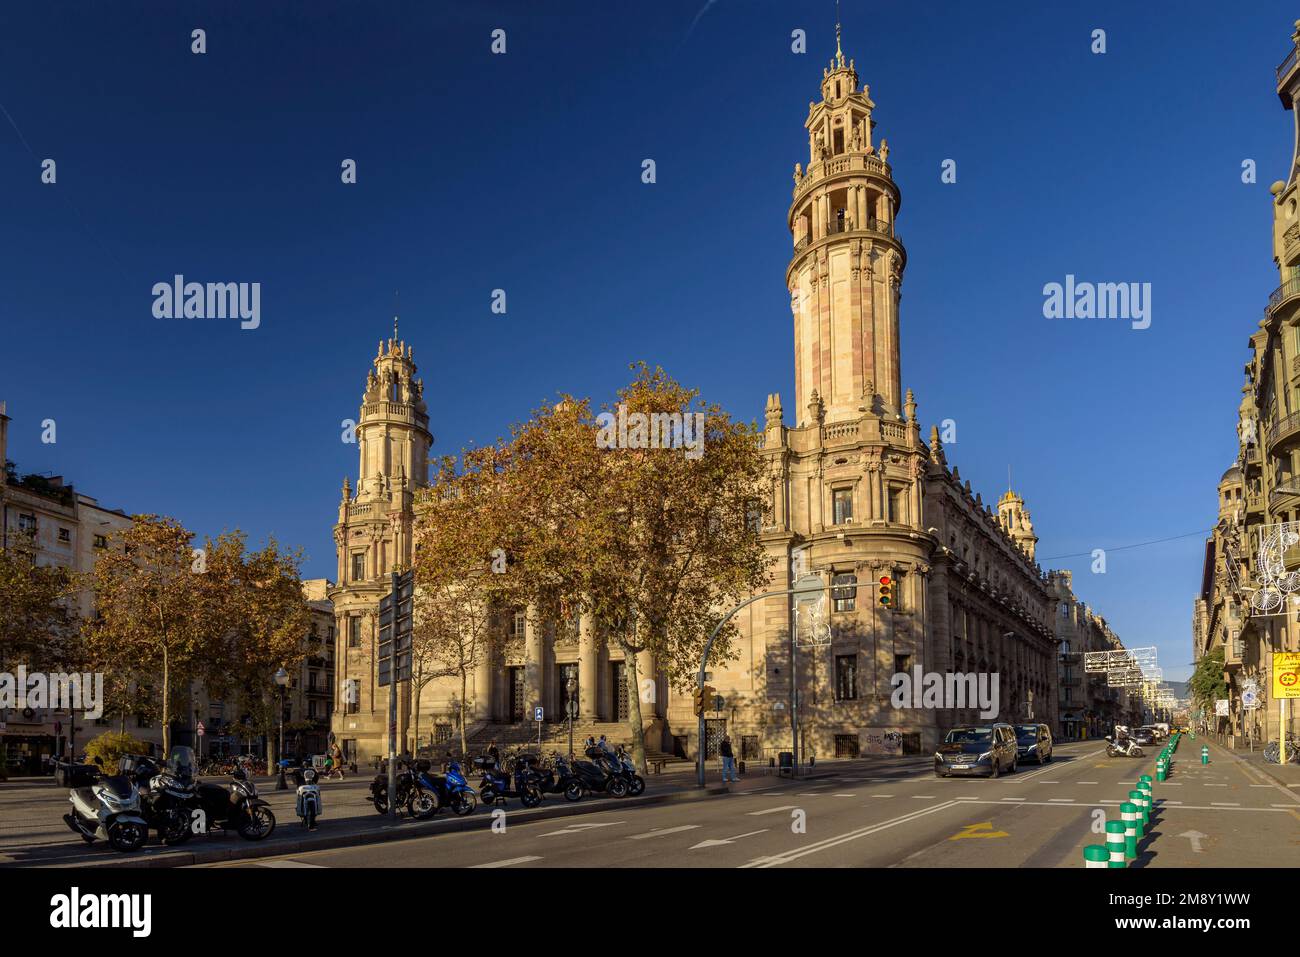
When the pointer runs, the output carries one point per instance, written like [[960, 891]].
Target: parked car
[[980, 750], [1034, 742]]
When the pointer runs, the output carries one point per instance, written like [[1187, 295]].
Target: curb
[[406, 830], [1264, 768]]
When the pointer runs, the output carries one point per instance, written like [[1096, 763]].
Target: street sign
[[1221, 707], [1249, 698], [1286, 674], [537, 713], [395, 619]]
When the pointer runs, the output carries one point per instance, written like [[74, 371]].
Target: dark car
[[981, 750], [1144, 736], [1034, 742]]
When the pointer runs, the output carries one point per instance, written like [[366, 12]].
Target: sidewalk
[[1287, 775]]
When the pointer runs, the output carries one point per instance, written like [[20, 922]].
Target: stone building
[[860, 497], [1249, 599]]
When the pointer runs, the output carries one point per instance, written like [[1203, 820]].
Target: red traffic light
[[886, 590]]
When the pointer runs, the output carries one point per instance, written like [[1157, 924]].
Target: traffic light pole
[[704, 661]]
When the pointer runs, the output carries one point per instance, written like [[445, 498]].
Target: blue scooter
[[496, 785], [431, 792]]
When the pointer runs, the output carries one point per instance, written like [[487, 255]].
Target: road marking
[[773, 810], [977, 830], [1165, 801], [1261, 785], [922, 797], [1085, 782], [509, 863], [968, 797], [1195, 838], [1218, 804], [1284, 805], [1049, 782], [1061, 800], [830, 842], [660, 832], [714, 842], [1216, 785], [882, 795], [844, 795], [287, 864], [576, 828]]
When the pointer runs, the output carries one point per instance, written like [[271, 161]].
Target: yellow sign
[[1286, 674], [979, 830]]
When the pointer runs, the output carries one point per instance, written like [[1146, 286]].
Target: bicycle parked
[[1272, 751]]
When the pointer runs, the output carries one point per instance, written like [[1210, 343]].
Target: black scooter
[[497, 785], [559, 779], [235, 807], [595, 779]]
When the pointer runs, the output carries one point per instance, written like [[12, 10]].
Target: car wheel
[[1015, 763], [997, 769]]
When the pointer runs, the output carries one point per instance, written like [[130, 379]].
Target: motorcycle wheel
[[530, 797], [381, 801], [464, 803], [127, 837], [309, 819], [488, 795], [1136, 752], [176, 829], [258, 824], [424, 804], [618, 788], [637, 786], [574, 791]]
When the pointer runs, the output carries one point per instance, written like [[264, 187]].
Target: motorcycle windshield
[[181, 761]]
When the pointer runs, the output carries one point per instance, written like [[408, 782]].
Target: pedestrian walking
[[493, 753], [728, 760]]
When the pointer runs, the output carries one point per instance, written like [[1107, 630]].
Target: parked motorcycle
[[110, 810], [308, 803], [168, 794], [559, 779], [635, 783], [498, 784], [431, 792], [379, 788], [598, 779], [236, 807]]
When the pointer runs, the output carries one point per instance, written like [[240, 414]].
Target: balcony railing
[[1285, 67], [1282, 429], [1287, 291]]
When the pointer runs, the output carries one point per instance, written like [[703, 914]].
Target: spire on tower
[[839, 54]]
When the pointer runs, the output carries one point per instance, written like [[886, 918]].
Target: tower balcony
[[837, 227], [840, 164], [1281, 296], [1284, 71], [1282, 430]]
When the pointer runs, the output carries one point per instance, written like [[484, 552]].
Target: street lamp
[[571, 686], [281, 679]]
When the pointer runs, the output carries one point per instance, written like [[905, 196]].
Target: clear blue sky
[[523, 172]]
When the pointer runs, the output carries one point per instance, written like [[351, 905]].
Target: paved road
[[1225, 814]]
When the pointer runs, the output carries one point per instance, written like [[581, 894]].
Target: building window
[[849, 602], [518, 625], [358, 566], [354, 632], [65, 535], [441, 733], [27, 523], [101, 541], [897, 499], [902, 664], [846, 677], [842, 501], [900, 592]]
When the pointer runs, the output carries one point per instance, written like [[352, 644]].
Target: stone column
[[587, 656], [482, 710], [645, 668], [532, 662]]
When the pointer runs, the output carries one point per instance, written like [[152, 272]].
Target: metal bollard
[[1139, 799], [1205, 754]]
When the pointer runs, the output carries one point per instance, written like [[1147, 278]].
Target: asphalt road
[[1224, 814]]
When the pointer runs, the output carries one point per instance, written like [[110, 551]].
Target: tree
[[454, 593], [1207, 684], [38, 623], [636, 516]]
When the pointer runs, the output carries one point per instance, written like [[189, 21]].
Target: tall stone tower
[[374, 537], [848, 263], [1015, 519]]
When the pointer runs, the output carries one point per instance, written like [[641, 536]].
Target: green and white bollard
[[1128, 812], [1115, 843], [1205, 754], [1161, 769], [1139, 798], [1094, 855]]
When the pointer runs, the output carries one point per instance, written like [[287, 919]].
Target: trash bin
[[785, 761], [741, 766]]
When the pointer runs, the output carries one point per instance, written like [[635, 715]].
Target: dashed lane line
[[773, 810], [509, 863], [660, 832], [854, 835]]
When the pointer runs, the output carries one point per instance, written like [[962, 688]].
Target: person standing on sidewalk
[[728, 760]]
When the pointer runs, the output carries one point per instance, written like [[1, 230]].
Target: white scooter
[[309, 801], [1125, 748]]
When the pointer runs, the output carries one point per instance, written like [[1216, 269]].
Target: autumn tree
[[457, 533], [38, 620], [643, 516]]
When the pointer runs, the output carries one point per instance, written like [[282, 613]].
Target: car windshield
[[1027, 732], [969, 736]]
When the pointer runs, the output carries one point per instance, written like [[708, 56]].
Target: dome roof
[[1232, 475]]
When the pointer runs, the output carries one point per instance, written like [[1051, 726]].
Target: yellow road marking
[[977, 830]]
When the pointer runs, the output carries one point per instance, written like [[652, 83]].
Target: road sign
[[1221, 707], [537, 713], [395, 619], [201, 729], [1286, 674], [1248, 698]]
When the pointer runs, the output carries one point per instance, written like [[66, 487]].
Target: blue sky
[[522, 172]]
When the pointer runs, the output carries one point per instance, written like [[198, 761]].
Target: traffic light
[[886, 591], [706, 699]]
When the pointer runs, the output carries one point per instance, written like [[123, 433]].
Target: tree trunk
[[166, 704], [417, 688], [633, 691], [464, 687]]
